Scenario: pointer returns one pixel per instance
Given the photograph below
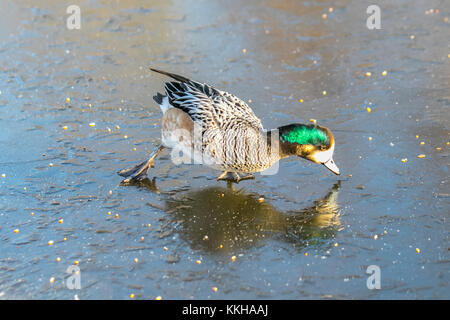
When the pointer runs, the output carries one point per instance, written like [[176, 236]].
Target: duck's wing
[[208, 106]]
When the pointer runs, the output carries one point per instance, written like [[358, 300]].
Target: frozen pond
[[76, 106]]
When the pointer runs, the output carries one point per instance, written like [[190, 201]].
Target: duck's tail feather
[[163, 102], [158, 98], [172, 75]]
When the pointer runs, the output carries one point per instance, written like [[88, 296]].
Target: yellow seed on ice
[[324, 16], [261, 200], [421, 156], [116, 215], [92, 124], [61, 221], [198, 262], [58, 259], [64, 238], [368, 74], [369, 110], [65, 128], [214, 289], [51, 242], [67, 100], [158, 298], [438, 149], [404, 160], [417, 136], [16, 230], [109, 213], [313, 121], [422, 143], [3, 175], [244, 50], [324, 92], [370, 138], [117, 127], [76, 262], [165, 249], [336, 244], [417, 250], [132, 295], [330, 9], [136, 260], [384, 73], [142, 238], [233, 258], [125, 137], [306, 254], [52, 279], [300, 100]]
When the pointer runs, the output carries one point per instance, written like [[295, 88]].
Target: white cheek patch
[[323, 156]]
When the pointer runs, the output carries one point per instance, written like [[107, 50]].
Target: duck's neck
[[278, 148]]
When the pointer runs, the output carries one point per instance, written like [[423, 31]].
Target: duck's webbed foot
[[140, 172], [234, 177], [249, 176]]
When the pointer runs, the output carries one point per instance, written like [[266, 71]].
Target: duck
[[205, 125]]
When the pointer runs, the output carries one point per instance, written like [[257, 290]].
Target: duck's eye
[[323, 148]]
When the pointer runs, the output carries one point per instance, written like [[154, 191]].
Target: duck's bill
[[332, 166]]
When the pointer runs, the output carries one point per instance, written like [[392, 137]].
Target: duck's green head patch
[[304, 134]]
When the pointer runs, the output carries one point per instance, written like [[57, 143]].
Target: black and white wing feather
[[208, 106]]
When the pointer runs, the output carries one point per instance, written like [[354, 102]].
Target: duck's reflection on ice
[[221, 219]]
